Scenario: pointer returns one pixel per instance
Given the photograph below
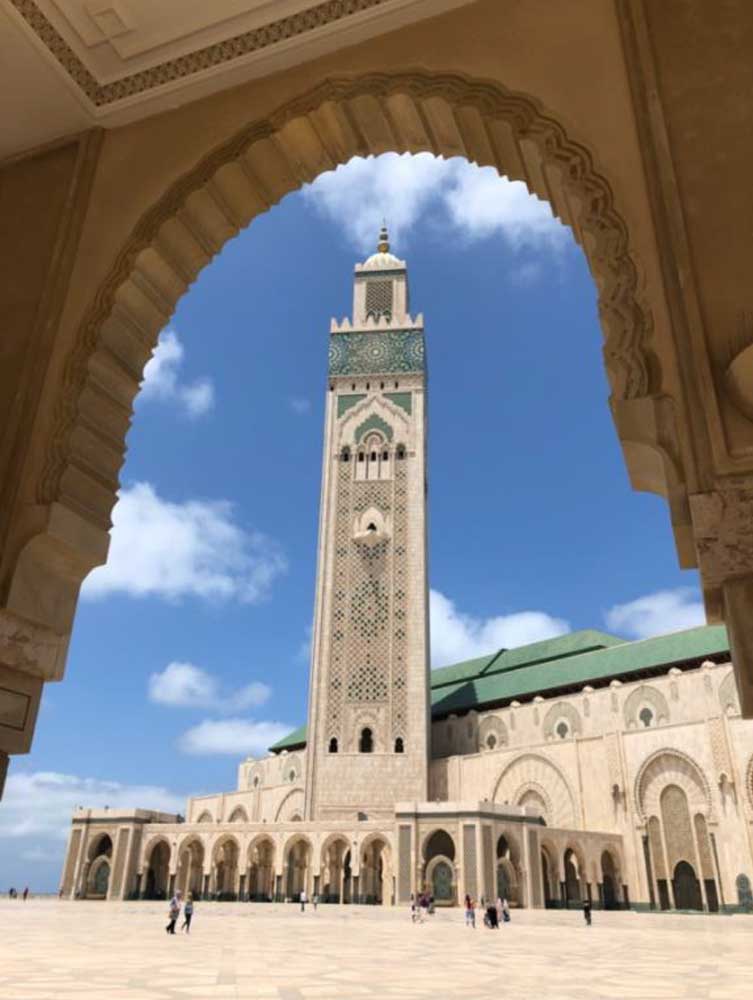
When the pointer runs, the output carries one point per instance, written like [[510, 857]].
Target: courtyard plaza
[[58, 949]]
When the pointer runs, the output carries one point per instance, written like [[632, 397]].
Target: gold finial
[[383, 246]]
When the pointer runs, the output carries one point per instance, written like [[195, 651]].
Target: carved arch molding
[[444, 114]]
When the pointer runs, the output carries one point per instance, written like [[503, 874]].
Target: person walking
[[505, 911], [304, 900], [315, 900], [187, 913], [26, 893], [423, 905], [173, 913], [587, 912], [470, 912]]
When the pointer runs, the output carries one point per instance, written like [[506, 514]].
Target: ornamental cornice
[[208, 57]]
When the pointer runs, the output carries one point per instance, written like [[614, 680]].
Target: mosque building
[[583, 766]]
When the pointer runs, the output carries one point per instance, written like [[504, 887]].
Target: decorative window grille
[[379, 299]]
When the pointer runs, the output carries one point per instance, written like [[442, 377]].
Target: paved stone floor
[[52, 949]]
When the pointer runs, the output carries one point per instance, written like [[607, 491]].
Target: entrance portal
[[442, 886], [687, 888]]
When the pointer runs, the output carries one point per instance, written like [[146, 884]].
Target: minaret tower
[[368, 727]]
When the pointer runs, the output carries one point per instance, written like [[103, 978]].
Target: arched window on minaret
[[399, 746], [374, 459], [333, 745], [345, 454], [366, 742]]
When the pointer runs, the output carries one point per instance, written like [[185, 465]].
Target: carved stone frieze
[[29, 648], [723, 528], [208, 57]]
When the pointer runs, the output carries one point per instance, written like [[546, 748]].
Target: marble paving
[[57, 950]]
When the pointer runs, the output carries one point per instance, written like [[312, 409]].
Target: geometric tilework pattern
[[385, 352], [469, 860]]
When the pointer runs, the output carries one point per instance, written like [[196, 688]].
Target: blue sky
[[190, 647]]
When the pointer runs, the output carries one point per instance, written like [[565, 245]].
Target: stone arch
[[291, 806], [671, 767], [444, 113], [645, 696], [238, 815], [98, 880], [261, 855], [156, 855], [610, 878], [534, 796], [362, 720], [149, 846], [561, 711], [729, 698], [550, 871], [297, 858], [438, 842], [100, 845], [336, 869], [375, 869], [226, 854], [509, 881], [574, 872], [492, 733], [191, 855], [205, 817], [535, 771]]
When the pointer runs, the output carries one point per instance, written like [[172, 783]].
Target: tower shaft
[[367, 744]]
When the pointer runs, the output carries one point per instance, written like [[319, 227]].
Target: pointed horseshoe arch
[[445, 114]]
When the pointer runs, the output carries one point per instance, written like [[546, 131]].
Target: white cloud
[[657, 613], [184, 685], [299, 405], [457, 636], [473, 201], [232, 736], [37, 806], [172, 550], [161, 378]]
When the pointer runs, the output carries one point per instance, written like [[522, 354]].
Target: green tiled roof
[[293, 741], [571, 660], [535, 652]]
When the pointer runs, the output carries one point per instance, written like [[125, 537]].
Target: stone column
[[723, 530]]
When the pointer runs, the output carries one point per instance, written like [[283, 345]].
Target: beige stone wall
[[591, 779]]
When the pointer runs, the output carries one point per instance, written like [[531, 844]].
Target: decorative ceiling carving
[[90, 25]]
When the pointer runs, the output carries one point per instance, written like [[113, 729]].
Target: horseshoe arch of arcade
[[584, 766]]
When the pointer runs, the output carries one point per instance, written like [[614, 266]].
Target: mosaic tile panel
[[379, 353]]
